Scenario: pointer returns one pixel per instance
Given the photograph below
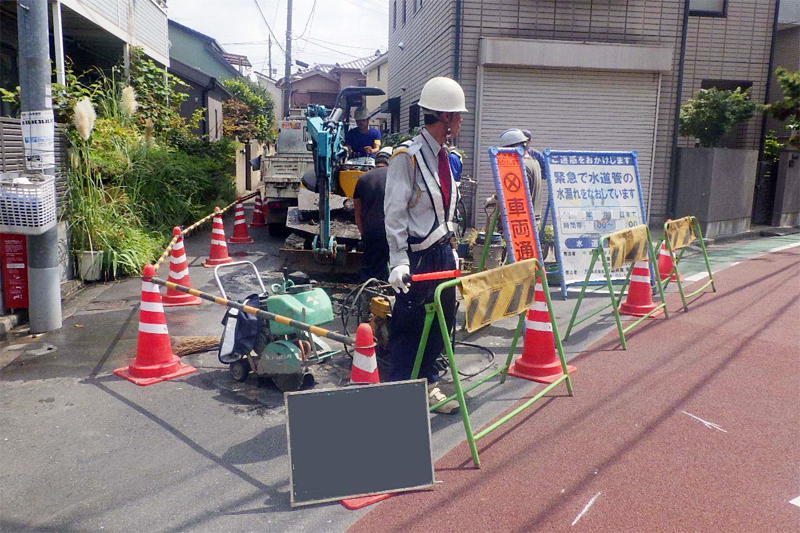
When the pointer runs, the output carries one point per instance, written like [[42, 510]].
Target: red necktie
[[444, 178]]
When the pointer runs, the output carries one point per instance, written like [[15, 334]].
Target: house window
[[379, 73], [708, 8], [413, 117], [726, 85], [394, 15], [404, 12]]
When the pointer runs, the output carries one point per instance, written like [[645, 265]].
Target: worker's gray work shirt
[[413, 202]]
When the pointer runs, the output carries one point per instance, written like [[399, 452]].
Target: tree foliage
[[251, 113], [788, 109], [713, 113]]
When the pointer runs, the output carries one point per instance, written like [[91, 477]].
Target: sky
[[337, 32]]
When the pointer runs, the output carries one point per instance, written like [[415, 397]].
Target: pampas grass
[[84, 117], [129, 103]]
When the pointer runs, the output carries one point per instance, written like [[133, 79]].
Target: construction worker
[[420, 203], [363, 140], [515, 138], [368, 209]]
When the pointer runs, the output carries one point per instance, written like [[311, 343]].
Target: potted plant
[[786, 209], [716, 184]]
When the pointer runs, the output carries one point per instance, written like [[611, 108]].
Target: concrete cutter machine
[[271, 349]]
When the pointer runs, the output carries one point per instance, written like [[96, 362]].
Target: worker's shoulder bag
[[239, 333]]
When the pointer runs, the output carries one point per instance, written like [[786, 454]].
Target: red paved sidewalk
[[633, 439]]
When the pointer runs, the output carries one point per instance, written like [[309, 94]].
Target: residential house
[[580, 74], [320, 84], [200, 62], [377, 73], [271, 85], [99, 33]]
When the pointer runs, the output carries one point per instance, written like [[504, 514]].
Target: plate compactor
[[271, 349]]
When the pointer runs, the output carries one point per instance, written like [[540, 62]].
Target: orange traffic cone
[[240, 235], [218, 252], [154, 360], [665, 265], [539, 361], [179, 274], [640, 297], [258, 214], [365, 364]]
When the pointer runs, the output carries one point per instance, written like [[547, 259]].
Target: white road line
[[585, 509], [796, 501], [702, 275], [709, 425]]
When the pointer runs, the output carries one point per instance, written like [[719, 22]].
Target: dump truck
[[284, 170]]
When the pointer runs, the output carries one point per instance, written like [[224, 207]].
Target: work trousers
[[408, 316], [375, 260]]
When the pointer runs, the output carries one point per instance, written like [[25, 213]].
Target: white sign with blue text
[[591, 194]]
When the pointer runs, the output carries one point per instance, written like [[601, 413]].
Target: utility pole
[[287, 76], [269, 48], [44, 276]]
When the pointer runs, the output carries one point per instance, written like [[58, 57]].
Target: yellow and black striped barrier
[[286, 321], [194, 226]]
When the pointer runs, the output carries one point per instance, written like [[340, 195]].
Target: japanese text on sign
[[512, 193], [592, 194]]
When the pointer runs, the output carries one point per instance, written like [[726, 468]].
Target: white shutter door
[[568, 110]]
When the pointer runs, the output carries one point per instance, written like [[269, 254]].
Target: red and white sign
[[14, 257]]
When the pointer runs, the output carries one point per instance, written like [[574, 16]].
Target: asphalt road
[[693, 428]]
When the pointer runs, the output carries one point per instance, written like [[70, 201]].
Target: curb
[[9, 322]]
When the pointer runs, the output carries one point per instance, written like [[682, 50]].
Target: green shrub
[[788, 108], [712, 113]]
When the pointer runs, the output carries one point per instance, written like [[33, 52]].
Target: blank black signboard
[[358, 441]]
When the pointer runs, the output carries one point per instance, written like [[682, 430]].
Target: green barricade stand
[[678, 235], [489, 296], [625, 246]]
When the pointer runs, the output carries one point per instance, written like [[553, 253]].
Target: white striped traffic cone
[[639, 301], [240, 235], [218, 252], [665, 265], [539, 361], [154, 360], [365, 364], [179, 274], [258, 213]]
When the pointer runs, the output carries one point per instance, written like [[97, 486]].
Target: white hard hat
[[443, 94], [384, 154], [512, 137], [361, 113]]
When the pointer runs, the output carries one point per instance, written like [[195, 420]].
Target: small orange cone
[[365, 364], [258, 214], [154, 360], [179, 274], [640, 297], [539, 361], [240, 235], [665, 265], [218, 252]]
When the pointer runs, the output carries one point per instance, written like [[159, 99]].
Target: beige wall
[[373, 102]]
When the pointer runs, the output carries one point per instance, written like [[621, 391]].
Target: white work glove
[[396, 278], [455, 256]]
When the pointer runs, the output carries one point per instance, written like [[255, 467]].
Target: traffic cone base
[[639, 310], [240, 240], [211, 263], [147, 375], [547, 373], [358, 503], [179, 274]]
